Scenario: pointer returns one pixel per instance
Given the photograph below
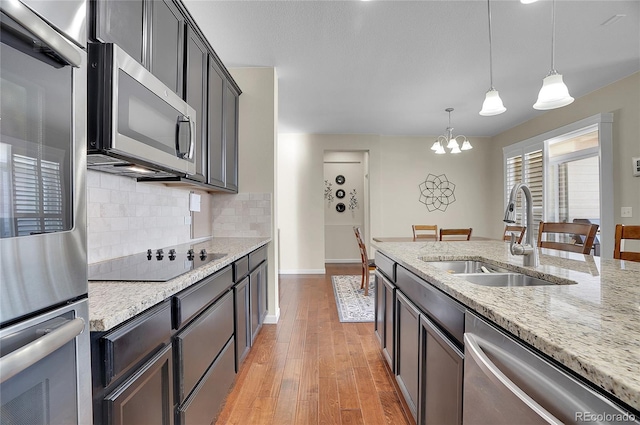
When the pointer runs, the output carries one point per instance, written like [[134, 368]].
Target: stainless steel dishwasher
[[508, 383]]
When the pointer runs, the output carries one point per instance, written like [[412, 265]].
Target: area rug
[[352, 305]]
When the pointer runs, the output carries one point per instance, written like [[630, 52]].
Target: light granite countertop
[[589, 321], [112, 303]]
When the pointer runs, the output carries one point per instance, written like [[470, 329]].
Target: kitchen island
[[589, 321], [112, 303]]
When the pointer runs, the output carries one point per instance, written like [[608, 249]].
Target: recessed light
[[612, 20]]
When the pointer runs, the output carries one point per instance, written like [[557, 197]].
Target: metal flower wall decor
[[437, 192], [353, 201], [328, 192]]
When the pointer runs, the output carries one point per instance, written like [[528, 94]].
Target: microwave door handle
[[188, 153], [24, 357], [41, 29], [494, 373]]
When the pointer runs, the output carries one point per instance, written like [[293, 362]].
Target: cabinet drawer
[[386, 266], [145, 397], [200, 342], [193, 300], [443, 310], [257, 257], [134, 340], [204, 404], [240, 268]]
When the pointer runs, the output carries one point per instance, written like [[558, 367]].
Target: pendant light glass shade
[[456, 149], [553, 94], [466, 146], [492, 104], [436, 145], [440, 150]]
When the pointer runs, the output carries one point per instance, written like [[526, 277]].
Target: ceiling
[[392, 67]]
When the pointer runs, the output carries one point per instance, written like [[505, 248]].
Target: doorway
[[346, 204]]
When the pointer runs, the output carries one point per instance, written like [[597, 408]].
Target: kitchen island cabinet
[[584, 322]]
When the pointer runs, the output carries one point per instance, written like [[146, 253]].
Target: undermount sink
[[466, 266], [504, 279]]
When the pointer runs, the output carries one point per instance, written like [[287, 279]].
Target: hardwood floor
[[310, 368]]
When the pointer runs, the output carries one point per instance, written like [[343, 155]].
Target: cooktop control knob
[[190, 255], [203, 254], [172, 254], [149, 254], [159, 254]]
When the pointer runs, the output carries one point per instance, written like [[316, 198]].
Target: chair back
[[569, 233], [425, 231], [626, 232], [361, 245], [518, 230], [455, 234]]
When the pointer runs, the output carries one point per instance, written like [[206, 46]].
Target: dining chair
[[568, 233], [626, 232], [455, 234], [368, 265], [425, 231], [518, 230]]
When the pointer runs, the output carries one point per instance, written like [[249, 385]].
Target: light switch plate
[[626, 212], [636, 167]]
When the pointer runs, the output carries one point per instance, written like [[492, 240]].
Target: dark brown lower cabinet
[[241, 301], [147, 396], [407, 351], [441, 373], [204, 403]]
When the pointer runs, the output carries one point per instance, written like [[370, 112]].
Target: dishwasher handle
[[24, 357], [494, 373]]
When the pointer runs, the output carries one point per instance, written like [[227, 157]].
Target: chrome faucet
[[528, 251]]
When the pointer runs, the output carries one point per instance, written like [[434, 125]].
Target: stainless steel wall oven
[[44, 335]]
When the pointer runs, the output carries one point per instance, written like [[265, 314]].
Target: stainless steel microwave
[[136, 125]]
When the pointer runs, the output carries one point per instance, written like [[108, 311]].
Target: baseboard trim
[[302, 271], [272, 319], [343, 261]]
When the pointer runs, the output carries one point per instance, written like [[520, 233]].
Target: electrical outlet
[[187, 219], [626, 212]]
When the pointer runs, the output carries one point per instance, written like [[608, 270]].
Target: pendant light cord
[[553, 37], [490, 49]]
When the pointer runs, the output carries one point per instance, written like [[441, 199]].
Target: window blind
[[527, 168], [37, 191]]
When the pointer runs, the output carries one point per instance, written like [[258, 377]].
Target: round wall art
[[340, 179], [340, 193], [340, 207]]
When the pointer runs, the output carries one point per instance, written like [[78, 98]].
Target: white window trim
[[604, 123]]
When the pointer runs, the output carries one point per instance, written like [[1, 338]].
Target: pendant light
[[492, 104], [450, 141], [554, 92]]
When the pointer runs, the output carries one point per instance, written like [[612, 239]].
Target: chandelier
[[449, 141]]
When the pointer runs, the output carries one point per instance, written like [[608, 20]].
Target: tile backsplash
[[242, 215], [126, 217]]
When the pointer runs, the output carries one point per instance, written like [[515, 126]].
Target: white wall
[[257, 136], [340, 241], [397, 166]]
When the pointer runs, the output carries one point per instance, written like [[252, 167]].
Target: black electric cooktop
[[155, 265]]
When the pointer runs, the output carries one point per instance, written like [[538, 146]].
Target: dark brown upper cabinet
[[150, 31], [196, 96]]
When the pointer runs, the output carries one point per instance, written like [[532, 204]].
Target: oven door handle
[[24, 357], [41, 29]]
